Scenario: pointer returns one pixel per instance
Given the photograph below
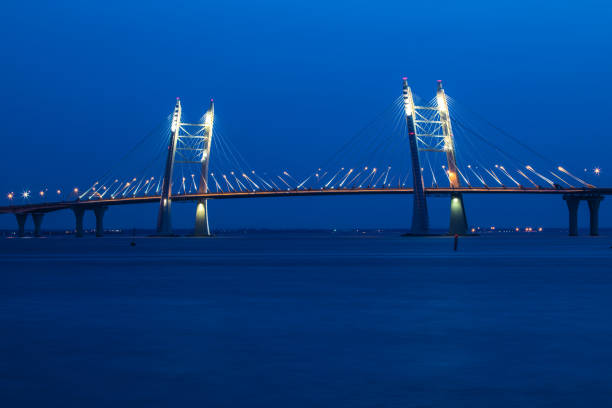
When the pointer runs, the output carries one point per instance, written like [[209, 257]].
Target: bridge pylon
[[420, 217], [458, 220], [164, 221], [202, 227]]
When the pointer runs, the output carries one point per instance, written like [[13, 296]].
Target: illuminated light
[[473, 229], [10, 196], [76, 190], [540, 229], [492, 228], [60, 191], [441, 102], [597, 171], [408, 101], [42, 193], [25, 194], [517, 229]]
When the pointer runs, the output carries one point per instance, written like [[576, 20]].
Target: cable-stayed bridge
[[419, 147]]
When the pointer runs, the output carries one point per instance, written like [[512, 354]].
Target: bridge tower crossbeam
[[193, 148], [431, 128]]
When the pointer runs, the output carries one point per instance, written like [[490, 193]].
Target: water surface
[[303, 320]]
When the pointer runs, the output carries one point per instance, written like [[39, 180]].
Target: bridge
[[426, 130]]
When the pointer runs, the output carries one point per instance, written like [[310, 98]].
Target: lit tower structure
[[164, 222], [458, 220], [201, 223], [420, 218]]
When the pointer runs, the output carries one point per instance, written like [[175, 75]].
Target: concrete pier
[[78, 214], [201, 222], [594, 214], [37, 217], [164, 221], [21, 220], [458, 219], [572, 205], [99, 212]]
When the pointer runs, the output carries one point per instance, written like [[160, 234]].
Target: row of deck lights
[[26, 194], [42, 193]]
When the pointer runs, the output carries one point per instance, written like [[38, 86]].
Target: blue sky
[[83, 81]]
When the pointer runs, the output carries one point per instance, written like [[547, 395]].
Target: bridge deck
[[60, 205]]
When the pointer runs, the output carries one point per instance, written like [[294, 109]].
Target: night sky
[[84, 81]]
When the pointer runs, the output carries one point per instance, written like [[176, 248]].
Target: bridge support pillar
[[572, 205], [37, 217], [201, 221], [99, 212], [458, 219], [594, 213], [164, 222], [78, 227], [21, 220]]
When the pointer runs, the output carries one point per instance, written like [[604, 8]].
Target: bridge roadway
[[87, 204]]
